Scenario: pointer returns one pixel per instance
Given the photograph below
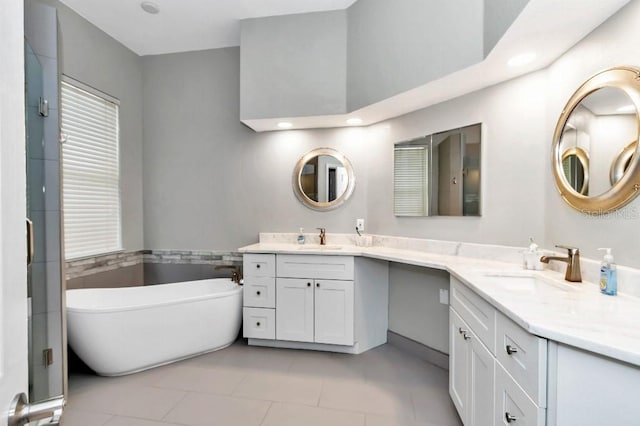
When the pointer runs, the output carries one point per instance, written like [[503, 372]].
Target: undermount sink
[[318, 247], [526, 281]]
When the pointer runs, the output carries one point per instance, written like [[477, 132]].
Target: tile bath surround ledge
[[576, 315]]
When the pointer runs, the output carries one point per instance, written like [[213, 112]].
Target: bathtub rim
[[110, 309]]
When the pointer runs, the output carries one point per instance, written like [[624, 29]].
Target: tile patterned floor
[[243, 385]]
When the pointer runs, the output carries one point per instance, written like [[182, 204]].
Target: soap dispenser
[[532, 257], [608, 274]]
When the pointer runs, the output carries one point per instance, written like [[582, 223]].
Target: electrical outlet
[[360, 225], [444, 296]]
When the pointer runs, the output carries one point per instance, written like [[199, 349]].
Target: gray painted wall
[[415, 310], [94, 58], [293, 65], [212, 183], [396, 46], [498, 17]]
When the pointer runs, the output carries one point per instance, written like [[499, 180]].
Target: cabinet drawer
[[476, 312], [524, 356], [513, 403], [259, 265], [315, 266], [259, 323], [259, 292]]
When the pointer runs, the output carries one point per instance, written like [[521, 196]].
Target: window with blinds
[[91, 174], [410, 181]]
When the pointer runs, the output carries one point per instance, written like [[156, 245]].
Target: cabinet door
[[481, 384], [334, 312], [294, 309], [459, 350], [513, 406]]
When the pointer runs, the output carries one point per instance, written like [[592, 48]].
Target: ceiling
[[546, 27], [185, 25]]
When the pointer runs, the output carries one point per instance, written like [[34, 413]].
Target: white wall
[[613, 43], [513, 157], [13, 244]]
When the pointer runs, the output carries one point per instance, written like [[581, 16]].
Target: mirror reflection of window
[[410, 181]]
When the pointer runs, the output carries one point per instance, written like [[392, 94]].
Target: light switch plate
[[360, 225]]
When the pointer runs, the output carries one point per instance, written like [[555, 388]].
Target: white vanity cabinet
[[471, 362], [259, 296], [314, 300], [497, 371], [323, 302], [313, 310]]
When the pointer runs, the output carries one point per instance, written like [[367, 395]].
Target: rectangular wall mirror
[[438, 174]]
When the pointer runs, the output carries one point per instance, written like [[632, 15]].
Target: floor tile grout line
[[175, 405], [264, 417]]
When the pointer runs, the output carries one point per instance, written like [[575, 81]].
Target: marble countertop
[[575, 314]]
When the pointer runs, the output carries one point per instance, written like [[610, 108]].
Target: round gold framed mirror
[[323, 179], [599, 119]]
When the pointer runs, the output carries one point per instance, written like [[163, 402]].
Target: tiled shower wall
[[147, 267]]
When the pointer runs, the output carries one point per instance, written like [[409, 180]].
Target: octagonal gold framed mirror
[[596, 138]]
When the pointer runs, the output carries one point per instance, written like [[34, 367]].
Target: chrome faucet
[[323, 236], [236, 276], [572, 260]]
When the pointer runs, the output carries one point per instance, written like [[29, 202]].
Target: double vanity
[[525, 347]]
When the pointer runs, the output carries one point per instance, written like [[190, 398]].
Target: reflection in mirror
[[622, 161], [575, 163], [600, 126], [438, 174], [323, 179]]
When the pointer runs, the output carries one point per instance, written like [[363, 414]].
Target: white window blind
[[410, 181], [91, 175]]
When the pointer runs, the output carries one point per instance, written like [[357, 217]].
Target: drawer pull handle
[[258, 292], [465, 336], [258, 266], [509, 418], [308, 284], [258, 324], [511, 349], [317, 284], [462, 330]]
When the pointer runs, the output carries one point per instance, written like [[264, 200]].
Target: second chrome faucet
[[572, 260]]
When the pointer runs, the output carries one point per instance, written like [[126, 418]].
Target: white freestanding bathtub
[[118, 331]]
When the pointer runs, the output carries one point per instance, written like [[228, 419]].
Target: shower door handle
[[30, 247], [21, 412]]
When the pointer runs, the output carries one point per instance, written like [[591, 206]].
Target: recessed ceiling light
[[626, 109], [150, 7], [354, 121], [285, 125], [520, 60]]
